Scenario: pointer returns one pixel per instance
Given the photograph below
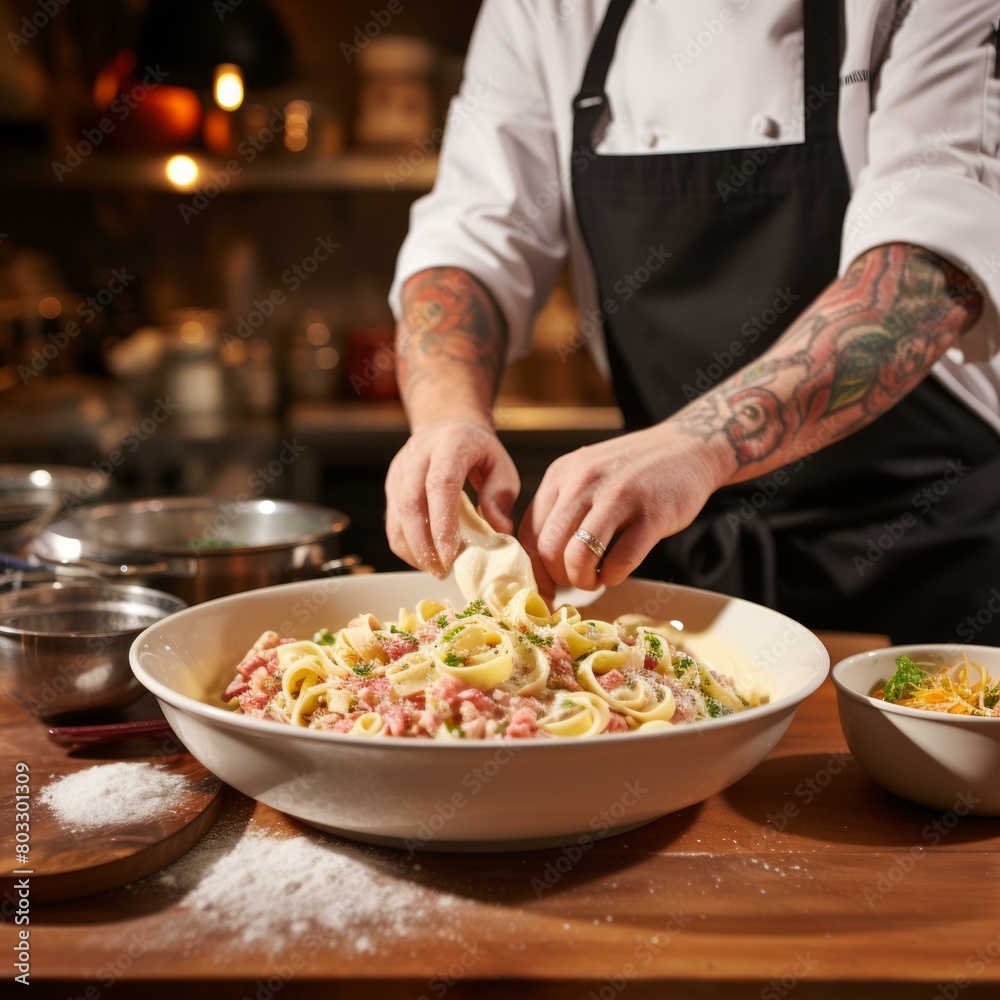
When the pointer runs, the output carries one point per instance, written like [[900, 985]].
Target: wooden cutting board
[[67, 864]]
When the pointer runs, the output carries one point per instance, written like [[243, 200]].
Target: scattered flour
[[273, 892], [118, 794]]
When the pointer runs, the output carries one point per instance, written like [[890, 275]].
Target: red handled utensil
[[114, 732]]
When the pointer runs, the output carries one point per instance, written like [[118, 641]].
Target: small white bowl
[[475, 794], [947, 762]]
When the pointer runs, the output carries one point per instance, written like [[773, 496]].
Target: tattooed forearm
[[865, 343], [450, 325]]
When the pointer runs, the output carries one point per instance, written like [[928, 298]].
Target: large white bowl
[[947, 762], [475, 795]]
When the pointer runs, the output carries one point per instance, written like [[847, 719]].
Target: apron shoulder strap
[[590, 103], [822, 28]]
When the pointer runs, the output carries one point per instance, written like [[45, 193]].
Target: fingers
[[628, 551], [497, 485], [407, 517], [423, 487], [565, 504]]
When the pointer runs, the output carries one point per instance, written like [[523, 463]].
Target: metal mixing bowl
[[64, 646]]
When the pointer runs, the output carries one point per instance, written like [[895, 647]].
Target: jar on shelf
[[314, 360], [396, 99]]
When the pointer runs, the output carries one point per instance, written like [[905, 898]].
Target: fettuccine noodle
[[483, 671]]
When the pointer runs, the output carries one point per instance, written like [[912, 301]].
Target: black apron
[[702, 261]]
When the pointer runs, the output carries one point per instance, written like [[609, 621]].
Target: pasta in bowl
[[484, 672], [499, 791]]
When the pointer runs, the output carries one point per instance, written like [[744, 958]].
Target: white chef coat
[[919, 122]]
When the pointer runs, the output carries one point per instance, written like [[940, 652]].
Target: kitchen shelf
[[382, 418], [351, 171]]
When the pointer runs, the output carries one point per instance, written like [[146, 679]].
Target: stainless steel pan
[[200, 547]]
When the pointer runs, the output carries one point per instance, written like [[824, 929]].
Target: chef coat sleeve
[[932, 176], [495, 210]]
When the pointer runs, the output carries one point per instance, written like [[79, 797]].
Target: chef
[[783, 220]]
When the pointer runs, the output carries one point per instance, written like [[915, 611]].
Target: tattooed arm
[[866, 342], [450, 347], [856, 351]]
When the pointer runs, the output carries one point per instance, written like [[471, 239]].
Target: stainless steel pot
[[64, 646], [199, 547]]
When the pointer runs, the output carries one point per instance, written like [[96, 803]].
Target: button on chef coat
[[919, 122]]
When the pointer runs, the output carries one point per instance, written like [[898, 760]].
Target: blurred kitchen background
[[173, 310]]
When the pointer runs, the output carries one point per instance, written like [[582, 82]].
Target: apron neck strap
[[822, 30]]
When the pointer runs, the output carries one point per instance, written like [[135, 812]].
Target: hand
[[645, 486], [425, 480]]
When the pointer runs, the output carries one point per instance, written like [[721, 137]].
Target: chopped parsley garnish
[[538, 640], [907, 676], [682, 664], [454, 728], [402, 633], [568, 703], [448, 636], [452, 660], [324, 637], [477, 607], [442, 621], [362, 669], [991, 697], [654, 645], [715, 708]]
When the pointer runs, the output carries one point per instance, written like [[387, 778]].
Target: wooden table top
[[803, 879]]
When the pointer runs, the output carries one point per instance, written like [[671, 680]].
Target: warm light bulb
[[192, 332], [228, 86], [182, 171], [50, 307]]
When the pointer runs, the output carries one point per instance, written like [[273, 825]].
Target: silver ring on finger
[[594, 544]]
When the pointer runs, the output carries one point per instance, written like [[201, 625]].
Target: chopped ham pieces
[[466, 684], [611, 680], [561, 666], [396, 646], [616, 724]]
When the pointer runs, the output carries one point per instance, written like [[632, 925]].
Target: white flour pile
[[114, 795], [273, 892]]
